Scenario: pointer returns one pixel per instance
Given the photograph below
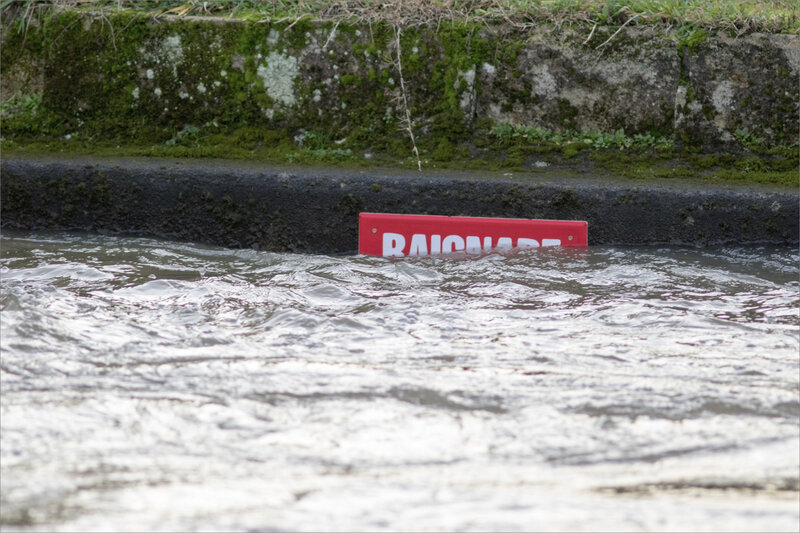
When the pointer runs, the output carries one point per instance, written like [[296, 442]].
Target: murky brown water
[[151, 385]]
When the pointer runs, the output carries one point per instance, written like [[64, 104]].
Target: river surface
[[149, 385]]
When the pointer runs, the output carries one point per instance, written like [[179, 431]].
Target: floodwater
[[160, 386]]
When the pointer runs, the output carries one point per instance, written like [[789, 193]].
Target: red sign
[[417, 235]]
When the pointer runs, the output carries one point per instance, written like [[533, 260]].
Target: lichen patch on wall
[[722, 98], [544, 84], [278, 74], [468, 94], [173, 52]]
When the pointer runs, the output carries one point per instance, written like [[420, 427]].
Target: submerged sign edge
[[411, 235]]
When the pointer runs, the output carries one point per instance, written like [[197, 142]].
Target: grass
[[736, 16], [638, 157], [508, 134]]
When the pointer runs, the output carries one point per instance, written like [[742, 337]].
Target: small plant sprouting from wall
[[27, 104], [21, 113], [508, 134]]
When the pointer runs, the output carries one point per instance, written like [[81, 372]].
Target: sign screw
[[374, 230], [570, 237]]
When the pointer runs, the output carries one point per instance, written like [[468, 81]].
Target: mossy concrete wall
[[336, 87]]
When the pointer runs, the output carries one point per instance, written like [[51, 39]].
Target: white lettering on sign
[[436, 244], [527, 243], [504, 243], [452, 243], [419, 245], [474, 245], [394, 243]]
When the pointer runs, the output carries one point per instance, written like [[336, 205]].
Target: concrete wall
[[313, 210], [136, 78]]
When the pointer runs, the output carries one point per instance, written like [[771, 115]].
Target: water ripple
[[237, 389]]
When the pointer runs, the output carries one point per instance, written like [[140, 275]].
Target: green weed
[[188, 136], [26, 104], [508, 135]]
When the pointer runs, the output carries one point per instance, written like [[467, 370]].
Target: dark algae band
[[298, 209]]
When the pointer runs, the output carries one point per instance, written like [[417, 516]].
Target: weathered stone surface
[[749, 84], [557, 85], [24, 74], [130, 77]]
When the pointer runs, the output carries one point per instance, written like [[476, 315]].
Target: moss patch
[[326, 92]]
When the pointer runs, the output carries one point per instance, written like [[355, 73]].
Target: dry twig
[[616, 32], [409, 127]]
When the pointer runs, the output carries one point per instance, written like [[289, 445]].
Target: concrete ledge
[[316, 211]]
